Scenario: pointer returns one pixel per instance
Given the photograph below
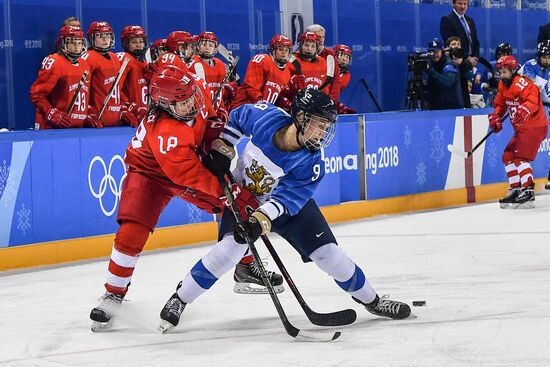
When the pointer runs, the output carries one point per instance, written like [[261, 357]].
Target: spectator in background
[[464, 67], [544, 33], [456, 23], [444, 90], [343, 57], [72, 21], [333, 71], [58, 79]]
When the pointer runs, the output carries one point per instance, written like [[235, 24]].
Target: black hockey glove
[[257, 224], [218, 159]]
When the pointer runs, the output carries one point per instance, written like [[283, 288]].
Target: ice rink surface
[[484, 273]]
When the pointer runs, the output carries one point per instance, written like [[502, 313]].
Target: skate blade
[[526, 205], [98, 327], [504, 205], [164, 326], [248, 288]]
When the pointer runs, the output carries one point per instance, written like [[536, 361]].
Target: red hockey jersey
[[56, 85], [263, 80], [135, 88], [103, 71], [522, 91], [213, 74], [164, 148]]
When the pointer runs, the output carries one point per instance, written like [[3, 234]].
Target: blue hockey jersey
[[282, 181], [532, 70]]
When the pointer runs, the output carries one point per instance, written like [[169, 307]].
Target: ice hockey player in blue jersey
[[538, 70], [281, 165]]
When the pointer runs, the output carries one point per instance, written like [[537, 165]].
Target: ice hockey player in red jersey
[[343, 57], [162, 163], [157, 49], [521, 98], [311, 66], [135, 87], [333, 70], [267, 74], [57, 82], [104, 67], [211, 69]]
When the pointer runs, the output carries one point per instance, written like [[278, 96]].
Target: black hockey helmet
[[503, 49], [314, 115], [543, 48]]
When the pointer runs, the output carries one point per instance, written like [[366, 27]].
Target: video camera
[[417, 62], [454, 52]]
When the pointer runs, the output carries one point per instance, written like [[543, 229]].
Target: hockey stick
[[226, 79], [290, 329], [108, 97], [363, 81], [337, 318], [456, 150], [78, 88]]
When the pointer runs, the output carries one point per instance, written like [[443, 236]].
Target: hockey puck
[[419, 303]]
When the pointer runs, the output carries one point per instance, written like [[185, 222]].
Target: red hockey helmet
[[508, 62], [280, 41], [97, 29], [132, 31], [309, 37], [157, 49], [70, 34], [207, 37], [343, 50], [175, 91], [177, 39]]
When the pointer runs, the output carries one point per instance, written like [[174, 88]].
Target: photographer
[[444, 89]]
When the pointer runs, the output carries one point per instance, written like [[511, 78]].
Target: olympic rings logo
[[107, 181]]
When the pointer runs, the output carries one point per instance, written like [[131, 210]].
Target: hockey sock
[[129, 242], [525, 173], [512, 173], [332, 260], [223, 256], [247, 258]]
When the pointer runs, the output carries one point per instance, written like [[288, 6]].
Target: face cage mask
[[280, 62], [189, 118], [101, 49], [139, 54], [317, 132], [207, 55], [64, 48]]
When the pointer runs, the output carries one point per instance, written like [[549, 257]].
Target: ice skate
[[170, 313], [510, 197], [547, 186], [102, 315], [249, 281], [387, 308], [525, 199]]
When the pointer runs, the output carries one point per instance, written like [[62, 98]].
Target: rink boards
[[60, 190]]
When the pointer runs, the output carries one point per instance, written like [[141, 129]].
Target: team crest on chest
[[262, 181]]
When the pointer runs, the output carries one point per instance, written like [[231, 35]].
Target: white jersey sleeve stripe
[[272, 208]]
